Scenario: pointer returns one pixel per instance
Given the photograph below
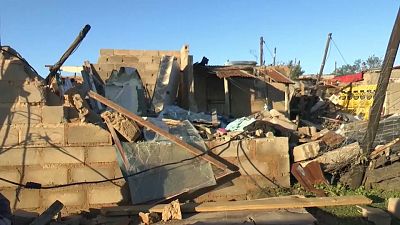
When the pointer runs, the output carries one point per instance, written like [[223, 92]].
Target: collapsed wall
[[38, 145]]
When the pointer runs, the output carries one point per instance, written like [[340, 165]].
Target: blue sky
[[42, 30]]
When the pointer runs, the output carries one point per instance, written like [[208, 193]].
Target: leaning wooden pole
[[321, 69], [381, 87]]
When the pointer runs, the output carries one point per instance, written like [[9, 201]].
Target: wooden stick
[[48, 214], [260, 204], [118, 144], [156, 129]]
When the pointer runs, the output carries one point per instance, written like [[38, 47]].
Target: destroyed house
[[238, 91]]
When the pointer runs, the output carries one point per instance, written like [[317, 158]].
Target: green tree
[[372, 62], [295, 70]]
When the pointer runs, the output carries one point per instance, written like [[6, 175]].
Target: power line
[[340, 53]]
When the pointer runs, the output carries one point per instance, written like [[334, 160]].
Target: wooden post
[[261, 51], [48, 215], [227, 99], [321, 70], [383, 81]]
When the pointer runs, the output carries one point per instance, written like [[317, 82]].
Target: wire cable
[[33, 185], [340, 53], [20, 58]]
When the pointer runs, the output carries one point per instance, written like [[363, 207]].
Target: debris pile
[[165, 138]]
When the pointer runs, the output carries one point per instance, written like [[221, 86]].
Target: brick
[[106, 52], [28, 199], [42, 135], [87, 134], [89, 173], [306, 151], [69, 197], [20, 156], [104, 195], [9, 136], [48, 176], [53, 114], [9, 174], [101, 154], [394, 207], [63, 155]]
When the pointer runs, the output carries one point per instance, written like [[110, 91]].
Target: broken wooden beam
[[118, 144], [258, 204], [48, 214], [151, 126]]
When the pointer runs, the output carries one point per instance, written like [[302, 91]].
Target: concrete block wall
[[147, 62], [57, 166], [269, 155]]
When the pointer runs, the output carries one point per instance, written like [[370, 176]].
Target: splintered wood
[[172, 211]]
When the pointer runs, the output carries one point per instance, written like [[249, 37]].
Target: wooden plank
[[260, 204], [48, 214], [158, 130], [118, 145]]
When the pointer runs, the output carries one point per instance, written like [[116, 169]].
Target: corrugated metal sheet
[[277, 76]]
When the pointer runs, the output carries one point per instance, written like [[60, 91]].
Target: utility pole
[[321, 70], [261, 51], [274, 56], [383, 81]]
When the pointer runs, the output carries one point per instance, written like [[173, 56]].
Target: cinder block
[[128, 59], [106, 52], [63, 155], [32, 93], [9, 92], [91, 173], [135, 52], [69, 197], [306, 151], [151, 53], [20, 157], [115, 59], [53, 114], [40, 136], [87, 134], [105, 195], [27, 198], [13, 71], [154, 67], [105, 67], [101, 154], [9, 174], [120, 52], [25, 115], [394, 207], [47, 176], [9, 136]]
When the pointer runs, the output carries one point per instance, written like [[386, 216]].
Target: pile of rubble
[[128, 133]]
